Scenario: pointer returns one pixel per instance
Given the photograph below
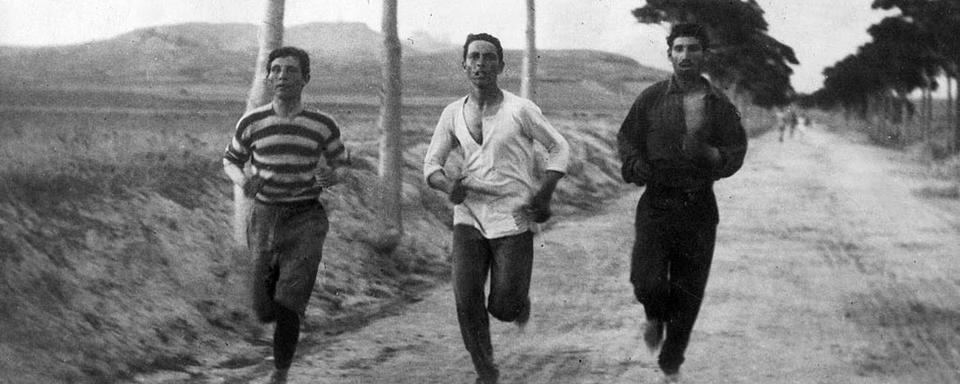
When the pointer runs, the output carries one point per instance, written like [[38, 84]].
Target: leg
[[648, 264], [471, 261], [648, 271], [285, 337], [261, 231], [510, 272], [688, 279], [298, 246]]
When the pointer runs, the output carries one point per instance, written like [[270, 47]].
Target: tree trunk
[[391, 151], [956, 121], [928, 127], [271, 37], [528, 86], [949, 109]]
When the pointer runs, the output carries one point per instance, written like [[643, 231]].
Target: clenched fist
[[699, 152], [252, 186], [458, 192]]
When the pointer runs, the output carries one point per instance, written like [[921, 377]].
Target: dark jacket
[[659, 110]]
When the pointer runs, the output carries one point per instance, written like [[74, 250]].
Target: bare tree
[[391, 151], [528, 86], [270, 38]]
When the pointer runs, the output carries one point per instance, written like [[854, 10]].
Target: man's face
[[482, 64], [286, 77], [687, 56]]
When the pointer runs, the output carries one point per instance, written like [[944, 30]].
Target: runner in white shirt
[[496, 194]]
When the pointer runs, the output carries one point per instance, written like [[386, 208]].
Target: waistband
[[662, 189], [290, 204]]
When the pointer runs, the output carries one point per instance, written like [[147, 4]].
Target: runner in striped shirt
[[287, 226]]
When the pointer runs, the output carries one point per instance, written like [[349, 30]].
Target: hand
[[537, 211], [699, 152], [252, 186], [458, 192], [326, 178], [638, 173]]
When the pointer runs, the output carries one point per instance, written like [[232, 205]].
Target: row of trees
[[907, 53]]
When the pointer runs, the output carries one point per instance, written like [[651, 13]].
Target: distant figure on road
[[807, 122], [787, 122], [496, 196], [284, 144], [680, 136]]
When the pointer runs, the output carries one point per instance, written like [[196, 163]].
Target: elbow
[[227, 164]]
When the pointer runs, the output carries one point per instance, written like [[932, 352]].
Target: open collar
[[674, 87]]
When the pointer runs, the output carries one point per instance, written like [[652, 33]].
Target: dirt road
[[828, 269]]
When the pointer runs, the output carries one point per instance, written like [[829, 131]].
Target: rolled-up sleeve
[[558, 149], [238, 151], [442, 142]]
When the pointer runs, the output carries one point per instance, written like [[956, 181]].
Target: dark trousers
[[675, 235], [509, 262], [286, 242]]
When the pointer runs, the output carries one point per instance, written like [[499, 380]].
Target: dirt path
[[828, 270]]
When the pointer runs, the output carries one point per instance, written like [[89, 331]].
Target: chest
[[473, 120], [694, 111], [493, 131], [287, 139]]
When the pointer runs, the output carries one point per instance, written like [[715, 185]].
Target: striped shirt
[[285, 151]]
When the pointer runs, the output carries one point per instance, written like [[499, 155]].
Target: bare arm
[[250, 185], [234, 172]]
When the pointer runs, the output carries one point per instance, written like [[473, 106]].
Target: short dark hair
[[484, 37], [689, 30], [300, 54]]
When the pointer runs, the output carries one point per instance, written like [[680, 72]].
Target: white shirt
[[502, 166]]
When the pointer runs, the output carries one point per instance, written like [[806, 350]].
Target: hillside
[[345, 62]]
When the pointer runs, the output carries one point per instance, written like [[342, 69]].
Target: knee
[[264, 308], [505, 310], [467, 298], [645, 292]]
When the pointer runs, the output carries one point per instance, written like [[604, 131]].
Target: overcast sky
[[821, 31]]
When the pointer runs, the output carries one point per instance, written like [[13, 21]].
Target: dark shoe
[[279, 376], [492, 377], [653, 334], [524, 317]]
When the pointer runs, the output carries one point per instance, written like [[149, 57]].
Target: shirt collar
[[297, 110], [674, 86]]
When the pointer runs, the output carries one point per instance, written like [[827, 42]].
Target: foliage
[[907, 52], [939, 20], [899, 60], [743, 55]]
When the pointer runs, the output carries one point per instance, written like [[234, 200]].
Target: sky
[[821, 31]]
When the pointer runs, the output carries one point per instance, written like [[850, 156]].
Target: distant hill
[[345, 56]]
